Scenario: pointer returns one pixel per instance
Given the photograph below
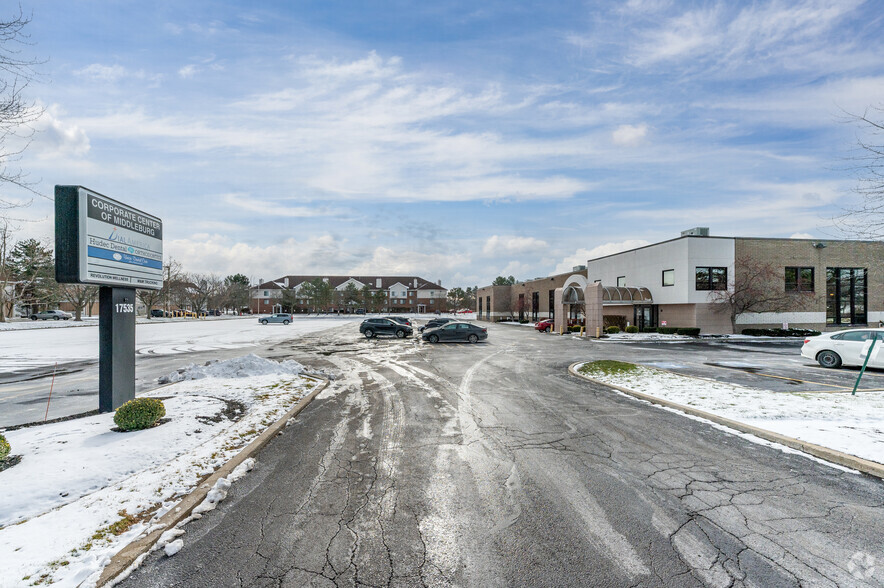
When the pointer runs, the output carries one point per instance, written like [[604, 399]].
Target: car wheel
[[55, 318], [433, 338], [34, 317], [546, 330], [369, 333], [400, 333], [285, 322], [264, 322], [474, 338], [829, 359]]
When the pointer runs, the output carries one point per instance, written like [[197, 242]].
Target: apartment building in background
[[399, 294]]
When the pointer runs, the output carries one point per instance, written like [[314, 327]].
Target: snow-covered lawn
[[82, 491], [851, 424], [43, 347]]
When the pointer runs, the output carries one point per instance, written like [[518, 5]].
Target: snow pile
[[837, 420], [248, 366], [79, 482]]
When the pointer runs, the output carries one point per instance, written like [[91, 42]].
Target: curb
[[133, 551], [837, 457]]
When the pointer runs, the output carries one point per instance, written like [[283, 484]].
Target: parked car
[[56, 315], [360, 311], [456, 331], [384, 326], [433, 323], [848, 348], [277, 317], [159, 313], [546, 325], [399, 319]]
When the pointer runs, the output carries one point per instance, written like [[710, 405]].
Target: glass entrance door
[[846, 296], [644, 316]]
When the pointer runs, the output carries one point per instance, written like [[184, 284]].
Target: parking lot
[[772, 363]]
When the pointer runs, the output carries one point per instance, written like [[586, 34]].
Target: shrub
[[574, 329], [690, 331], [632, 329], [666, 330], [140, 413], [5, 448], [649, 330], [780, 332], [612, 330], [523, 321]]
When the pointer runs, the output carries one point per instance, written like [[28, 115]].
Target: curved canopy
[[625, 295], [572, 295]]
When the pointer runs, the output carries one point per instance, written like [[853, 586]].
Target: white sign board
[[119, 245]]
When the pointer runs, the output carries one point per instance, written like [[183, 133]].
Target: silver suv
[[277, 317]]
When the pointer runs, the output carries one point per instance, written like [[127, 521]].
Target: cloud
[[106, 73], [581, 256], [56, 137], [801, 236], [277, 209], [188, 71], [731, 39], [385, 260], [629, 135], [496, 245]]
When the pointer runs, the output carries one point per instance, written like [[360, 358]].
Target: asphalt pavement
[[489, 465]]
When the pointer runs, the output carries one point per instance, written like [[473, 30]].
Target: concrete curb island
[[127, 556], [837, 457]]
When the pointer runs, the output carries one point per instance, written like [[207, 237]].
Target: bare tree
[[150, 299], [199, 289], [80, 297], [16, 112], [866, 217], [757, 287], [7, 279]]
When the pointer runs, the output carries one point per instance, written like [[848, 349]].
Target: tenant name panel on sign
[[123, 246]]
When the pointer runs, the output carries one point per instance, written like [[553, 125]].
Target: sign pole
[[101, 241], [865, 363], [116, 347]]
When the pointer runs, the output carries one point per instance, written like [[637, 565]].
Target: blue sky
[[452, 140]]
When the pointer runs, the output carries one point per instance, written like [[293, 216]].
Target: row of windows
[[797, 279]]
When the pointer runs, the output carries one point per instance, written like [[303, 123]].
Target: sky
[[453, 140]]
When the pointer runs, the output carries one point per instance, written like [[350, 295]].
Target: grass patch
[[608, 367]]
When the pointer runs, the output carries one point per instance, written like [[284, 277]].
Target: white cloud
[[801, 236], [188, 71], [497, 245], [277, 209], [629, 135], [406, 262], [56, 137], [581, 256], [106, 73]]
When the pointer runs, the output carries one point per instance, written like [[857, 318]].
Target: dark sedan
[[433, 323], [382, 326], [456, 331]]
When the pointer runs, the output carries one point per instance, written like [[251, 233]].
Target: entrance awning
[[626, 295]]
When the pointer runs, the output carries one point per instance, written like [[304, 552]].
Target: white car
[[45, 315], [848, 347]]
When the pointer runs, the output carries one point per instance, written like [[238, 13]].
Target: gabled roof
[[370, 281]]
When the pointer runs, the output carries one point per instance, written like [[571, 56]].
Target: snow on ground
[[837, 420], [79, 481], [43, 347]]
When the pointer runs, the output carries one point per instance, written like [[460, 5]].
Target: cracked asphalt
[[488, 465]]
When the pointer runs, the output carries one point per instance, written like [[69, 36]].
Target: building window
[[711, 278], [799, 279], [552, 303], [265, 293], [669, 277], [266, 302], [621, 281], [846, 296]]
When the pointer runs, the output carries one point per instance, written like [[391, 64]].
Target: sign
[[101, 241], [662, 323]]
